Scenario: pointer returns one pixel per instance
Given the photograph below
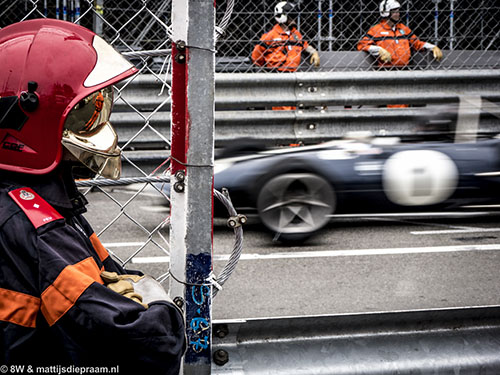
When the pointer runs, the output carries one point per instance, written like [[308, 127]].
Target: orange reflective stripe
[[73, 280], [98, 247], [18, 308]]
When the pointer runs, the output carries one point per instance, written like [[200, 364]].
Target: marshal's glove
[[384, 55], [123, 285], [314, 59], [437, 53]]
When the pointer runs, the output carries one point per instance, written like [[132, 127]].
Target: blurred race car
[[296, 190]]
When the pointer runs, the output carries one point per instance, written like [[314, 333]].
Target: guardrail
[[448, 341], [243, 103]]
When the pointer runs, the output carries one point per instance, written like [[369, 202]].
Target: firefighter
[[281, 48], [63, 299], [390, 41]]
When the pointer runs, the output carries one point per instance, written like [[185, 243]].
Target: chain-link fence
[[131, 216], [333, 27], [467, 31]]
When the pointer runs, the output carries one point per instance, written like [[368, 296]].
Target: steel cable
[[237, 247], [232, 262]]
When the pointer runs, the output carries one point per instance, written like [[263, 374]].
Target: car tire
[[295, 205]]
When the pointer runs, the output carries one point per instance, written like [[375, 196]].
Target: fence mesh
[[337, 26], [332, 27], [132, 220]]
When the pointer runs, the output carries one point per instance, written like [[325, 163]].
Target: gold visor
[[90, 137]]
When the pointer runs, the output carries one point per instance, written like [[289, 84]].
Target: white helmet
[[386, 6], [282, 11]]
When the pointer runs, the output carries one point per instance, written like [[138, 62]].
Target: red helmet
[[52, 72]]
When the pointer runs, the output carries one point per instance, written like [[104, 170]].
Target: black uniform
[[54, 308]]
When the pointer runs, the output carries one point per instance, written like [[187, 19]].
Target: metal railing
[[448, 341], [328, 104]]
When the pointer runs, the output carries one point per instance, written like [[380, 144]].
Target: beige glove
[[384, 55], [437, 53], [314, 59], [122, 284]]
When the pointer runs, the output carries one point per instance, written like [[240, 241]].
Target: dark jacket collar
[[58, 188]]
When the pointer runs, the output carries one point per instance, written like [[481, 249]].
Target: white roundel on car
[[419, 177]]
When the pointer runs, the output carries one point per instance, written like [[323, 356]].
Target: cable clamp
[[236, 221], [213, 280]]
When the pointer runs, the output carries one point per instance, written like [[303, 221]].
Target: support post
[[330, 25], [452, 25], [192, 129], [436, 21], [98, 11], [320, 15]]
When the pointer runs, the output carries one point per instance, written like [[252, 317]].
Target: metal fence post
[[192, 129], [320, 15], [436, 21], [330, 25], [98, 10], [452, 24]]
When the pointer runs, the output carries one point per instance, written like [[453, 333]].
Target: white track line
[[431, 215], [453, 231], [338, 253], [122, 244]]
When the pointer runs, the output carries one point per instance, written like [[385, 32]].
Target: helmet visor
[[290, 10], [90, 137], [90, 112]]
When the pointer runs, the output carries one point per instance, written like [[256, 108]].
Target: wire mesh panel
[[332, 27]]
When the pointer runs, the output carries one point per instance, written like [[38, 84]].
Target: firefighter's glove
[[314, 59], [151, 291], [384, 55], [123, 285], [437, 53]]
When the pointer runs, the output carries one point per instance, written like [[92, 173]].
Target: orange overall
[[397, 41], [280, 50]]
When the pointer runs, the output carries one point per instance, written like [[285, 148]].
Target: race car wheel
[[295, 205]]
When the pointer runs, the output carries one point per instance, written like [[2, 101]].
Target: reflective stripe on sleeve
[[98, 247], [73, 280], [18, 308]]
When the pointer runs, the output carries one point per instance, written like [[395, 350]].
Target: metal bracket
[[179, 185], [180, 57]]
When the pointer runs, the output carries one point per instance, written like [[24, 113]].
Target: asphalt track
[[354, 265]]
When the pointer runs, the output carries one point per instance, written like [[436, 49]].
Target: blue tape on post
[[198, 301]]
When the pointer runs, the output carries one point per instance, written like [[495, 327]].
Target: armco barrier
[[275, 128], [329, 104], [448, 341], [261, 90]]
